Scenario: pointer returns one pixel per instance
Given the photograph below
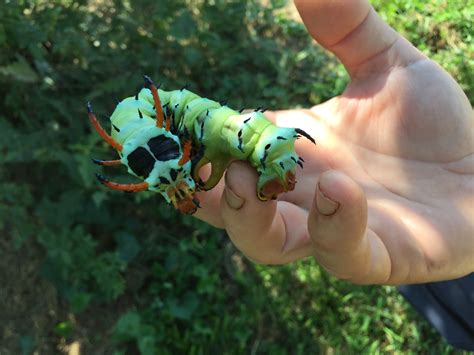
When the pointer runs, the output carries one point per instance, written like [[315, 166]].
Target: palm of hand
[[398, 144], [405, 137]]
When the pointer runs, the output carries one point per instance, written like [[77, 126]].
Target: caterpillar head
[[158, 157], [149, 150]]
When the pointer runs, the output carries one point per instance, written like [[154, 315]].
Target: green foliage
[[78, 271], [129, 272]]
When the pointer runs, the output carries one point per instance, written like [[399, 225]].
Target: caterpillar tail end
[[271, 188], [276, 161]]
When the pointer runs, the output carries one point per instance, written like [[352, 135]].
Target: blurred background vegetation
[[83, 267]]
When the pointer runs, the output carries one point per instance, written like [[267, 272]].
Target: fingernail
[[233, 200], [325, 205]]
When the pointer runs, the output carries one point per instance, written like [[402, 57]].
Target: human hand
[[387, 195]]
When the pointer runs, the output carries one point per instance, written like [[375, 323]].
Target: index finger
[[270, 232]]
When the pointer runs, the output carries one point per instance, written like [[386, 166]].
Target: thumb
[[354, 32], [337, 225]]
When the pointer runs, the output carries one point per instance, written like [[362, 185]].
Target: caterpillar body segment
[[267, 147], [228, 135], [165, 137]]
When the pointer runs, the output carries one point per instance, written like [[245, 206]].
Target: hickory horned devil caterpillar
[[165, 137]]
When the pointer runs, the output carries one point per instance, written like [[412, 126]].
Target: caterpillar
[[165, 137]]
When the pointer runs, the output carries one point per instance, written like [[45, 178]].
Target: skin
[[387, 195]]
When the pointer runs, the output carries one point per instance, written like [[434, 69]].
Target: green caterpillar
[[165, 138]]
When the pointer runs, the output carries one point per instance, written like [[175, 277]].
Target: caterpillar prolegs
[[165, 137]]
